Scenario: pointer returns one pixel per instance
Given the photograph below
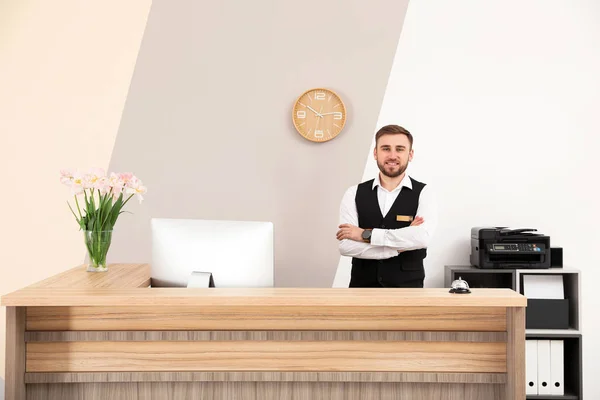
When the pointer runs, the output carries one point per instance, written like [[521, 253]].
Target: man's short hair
[[393, 130]]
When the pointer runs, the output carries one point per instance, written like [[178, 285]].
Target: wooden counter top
[[119, 276], [127, 284]]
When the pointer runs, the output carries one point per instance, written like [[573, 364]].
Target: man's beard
[[396, 173]]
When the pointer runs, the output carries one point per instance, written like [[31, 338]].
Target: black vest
[[406, 266]]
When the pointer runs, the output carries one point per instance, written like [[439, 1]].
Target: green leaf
[[114, 212], [99, 211], [83, 222], [92, 202], [106, 210]]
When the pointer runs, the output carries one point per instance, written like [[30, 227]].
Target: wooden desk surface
[[119, 276], [127, 284]]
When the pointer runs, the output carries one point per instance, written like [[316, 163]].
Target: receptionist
[[386, 223]]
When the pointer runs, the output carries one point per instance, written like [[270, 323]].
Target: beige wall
[[65, 69]]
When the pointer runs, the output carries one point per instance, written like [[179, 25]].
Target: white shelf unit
[[572, 337]]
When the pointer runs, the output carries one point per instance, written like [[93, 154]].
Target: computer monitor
[[237, 253]]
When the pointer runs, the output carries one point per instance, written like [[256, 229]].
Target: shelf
[[480, 278], [552, 397], [549, 270], [552, 332], [572, 292], [572, 366]]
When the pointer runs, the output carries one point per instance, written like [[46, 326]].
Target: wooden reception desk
[[109, 335]]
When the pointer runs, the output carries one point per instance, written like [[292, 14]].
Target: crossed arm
[[385, 243]]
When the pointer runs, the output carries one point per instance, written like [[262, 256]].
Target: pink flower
[[103, 185], [74, 179], [66, 176], [126, 177], [117, 184], [135, 186], [77, 183], [93, 179]]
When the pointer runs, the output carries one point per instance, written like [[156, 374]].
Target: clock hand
[[313, 110], [335, 112]]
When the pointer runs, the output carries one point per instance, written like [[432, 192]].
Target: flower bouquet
[[103, 200]]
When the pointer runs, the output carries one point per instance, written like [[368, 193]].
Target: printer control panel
[[516, 247]]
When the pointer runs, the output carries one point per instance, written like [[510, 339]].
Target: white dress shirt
[[387, 243]]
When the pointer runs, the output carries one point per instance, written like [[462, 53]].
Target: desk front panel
[[267, 355], [165, 350]]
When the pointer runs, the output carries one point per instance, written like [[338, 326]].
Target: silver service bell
[[460, 286]]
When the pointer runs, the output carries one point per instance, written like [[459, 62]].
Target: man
[[386, 223]]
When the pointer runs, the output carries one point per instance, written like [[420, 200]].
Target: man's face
[[393, 153]]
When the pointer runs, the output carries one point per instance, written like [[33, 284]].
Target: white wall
[[502, 98]]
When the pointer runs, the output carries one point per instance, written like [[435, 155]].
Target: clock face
[[319, 115]]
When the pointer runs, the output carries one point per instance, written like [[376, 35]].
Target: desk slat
[[488, 319], [267, 356]]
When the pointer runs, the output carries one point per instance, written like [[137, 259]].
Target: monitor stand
[[200, 279]]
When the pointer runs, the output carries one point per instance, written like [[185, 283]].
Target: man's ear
[[375, 152], [410, 154]]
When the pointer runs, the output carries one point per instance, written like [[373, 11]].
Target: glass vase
[[97, 244]]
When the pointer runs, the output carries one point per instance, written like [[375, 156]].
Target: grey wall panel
[[207, 123]]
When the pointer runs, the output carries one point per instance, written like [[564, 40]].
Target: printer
[[501, 247]]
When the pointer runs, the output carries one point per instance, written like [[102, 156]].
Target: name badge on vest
[[404, 218]]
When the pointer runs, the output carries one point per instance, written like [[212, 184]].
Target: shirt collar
[[405, 182]]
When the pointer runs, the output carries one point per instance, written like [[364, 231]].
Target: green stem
[[78, 209], [108, 199], [75, 215], [99, 247], [98, 243], [125, 202], [99, 209]]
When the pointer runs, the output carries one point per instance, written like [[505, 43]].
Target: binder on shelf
[[544, 377], [543, 286], [531, 365], [557, 373], [547, 307]]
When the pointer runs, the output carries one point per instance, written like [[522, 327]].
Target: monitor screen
[[236, 253]]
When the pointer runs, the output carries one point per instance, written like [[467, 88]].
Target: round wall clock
[[319, 115]]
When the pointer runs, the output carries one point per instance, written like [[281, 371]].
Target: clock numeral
[[319, 96], [319, 134], [302, 114], [337, 115]]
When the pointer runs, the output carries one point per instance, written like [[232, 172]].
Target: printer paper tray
[[521, 259], [516, 266]]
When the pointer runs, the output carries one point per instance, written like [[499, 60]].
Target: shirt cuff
[[378, 237]]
